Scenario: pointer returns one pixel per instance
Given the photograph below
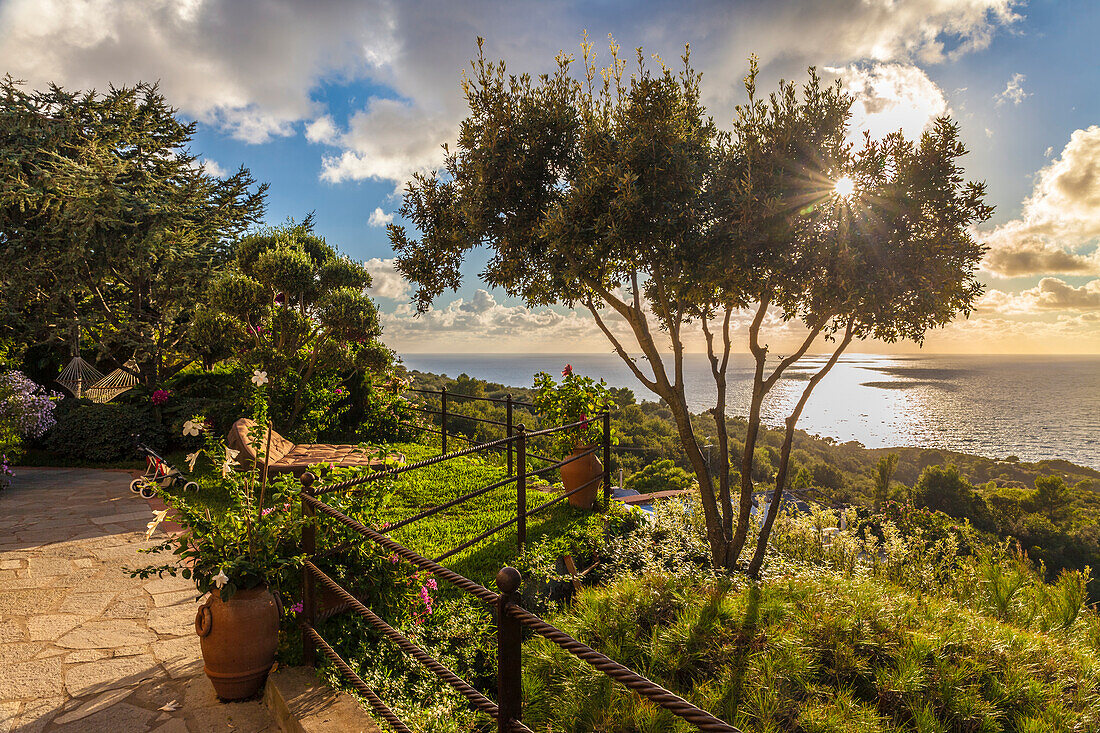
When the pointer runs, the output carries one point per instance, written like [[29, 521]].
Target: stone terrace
[[84, 647]]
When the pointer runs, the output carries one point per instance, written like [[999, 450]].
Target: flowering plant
[[160, 397], [26, 410], [575, 399], [255, 541]]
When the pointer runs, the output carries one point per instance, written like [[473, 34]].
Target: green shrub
[[104, 433], [660, 476]]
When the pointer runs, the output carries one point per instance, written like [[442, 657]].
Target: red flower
[[160, 396], [567, 371]]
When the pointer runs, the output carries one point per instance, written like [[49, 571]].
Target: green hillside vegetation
[[1058, 526]]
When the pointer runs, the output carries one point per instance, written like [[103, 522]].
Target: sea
[[1033, 407]]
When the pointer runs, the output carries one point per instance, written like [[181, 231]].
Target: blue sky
[[336, 103]]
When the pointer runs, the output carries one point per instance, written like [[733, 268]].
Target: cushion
[[287, 457], [239, 440]]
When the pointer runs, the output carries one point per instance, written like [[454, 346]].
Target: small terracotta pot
[[580, 472], [238, 640]]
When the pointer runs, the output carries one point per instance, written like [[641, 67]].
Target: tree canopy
[[620, 195], [293, 307], [109, 225]]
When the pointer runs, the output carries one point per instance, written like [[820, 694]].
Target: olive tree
[[621, 196]]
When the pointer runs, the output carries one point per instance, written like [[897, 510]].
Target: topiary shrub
[[103, 433]]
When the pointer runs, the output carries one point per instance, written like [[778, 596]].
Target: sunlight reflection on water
[[1030, 406]]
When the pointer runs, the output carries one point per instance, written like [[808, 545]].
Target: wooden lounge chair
[[287, 457]]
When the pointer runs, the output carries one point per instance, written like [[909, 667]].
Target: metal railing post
[[607, 459], [521, 486], [443, 417], [509, 421], [509, 652], [309, 547]]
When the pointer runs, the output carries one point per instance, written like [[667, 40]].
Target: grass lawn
[[437, 484]]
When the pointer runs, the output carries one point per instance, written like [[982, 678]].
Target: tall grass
[[812, 650]]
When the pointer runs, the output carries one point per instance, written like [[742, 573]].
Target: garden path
[[83, 646]]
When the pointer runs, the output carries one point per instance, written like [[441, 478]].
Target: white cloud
[[246, 65], [322, 130], [1051, 294], [253, 66], [1060, 222], [379, 218], [1014, 91], [891, 97], [213, 168], [389, 140], [386, 281]]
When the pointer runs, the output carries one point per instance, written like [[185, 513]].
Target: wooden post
[[309, 547], [521, 486], [607, 459], [443, 417], [508, 399], [509, 652]]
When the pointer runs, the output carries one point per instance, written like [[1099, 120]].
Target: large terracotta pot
[[238, 640], [580, 472]]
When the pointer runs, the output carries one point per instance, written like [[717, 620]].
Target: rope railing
[[396, 470], [508, 608], [624, 675], [459, 581], [498, 400], [413, 466], [377, 705], [464, 688]]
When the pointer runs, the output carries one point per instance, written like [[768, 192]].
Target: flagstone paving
[[83, 646]]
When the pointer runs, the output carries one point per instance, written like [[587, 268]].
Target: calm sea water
[[1030, 406]]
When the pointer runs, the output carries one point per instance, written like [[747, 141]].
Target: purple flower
[[25, 407], [296, 608], [160, 396]]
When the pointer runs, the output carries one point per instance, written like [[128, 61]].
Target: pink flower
[[394, 559], [432, 584], [567, 371], [267, 511], [160, 396], [296, 608]]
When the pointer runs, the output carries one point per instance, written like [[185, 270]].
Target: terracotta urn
[[238, 639], [579, 472]]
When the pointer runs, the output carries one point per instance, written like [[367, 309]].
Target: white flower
[[158, 517], [192, 428], [221, 579], [259, 378], [191, 458], [230, 461]]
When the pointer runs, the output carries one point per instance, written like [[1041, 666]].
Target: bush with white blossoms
[[256, 541]]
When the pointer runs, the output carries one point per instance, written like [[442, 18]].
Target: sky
[[336, 104]]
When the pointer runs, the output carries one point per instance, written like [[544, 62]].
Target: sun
[[844, 186]]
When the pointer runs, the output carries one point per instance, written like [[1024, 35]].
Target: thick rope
[[459, 581], [380, 708], [642, 685], [464, 688]]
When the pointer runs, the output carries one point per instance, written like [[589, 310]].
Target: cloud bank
[[254, 68], [1056, 232]]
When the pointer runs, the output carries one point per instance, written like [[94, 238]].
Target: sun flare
[[844, 186]]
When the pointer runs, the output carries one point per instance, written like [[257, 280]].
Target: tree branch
[[638, 374]]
